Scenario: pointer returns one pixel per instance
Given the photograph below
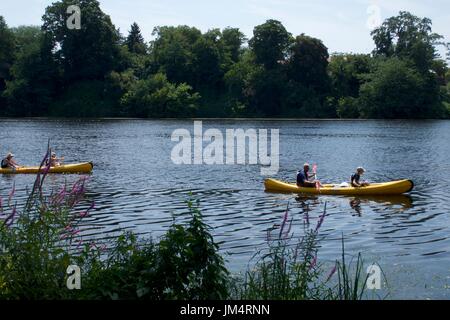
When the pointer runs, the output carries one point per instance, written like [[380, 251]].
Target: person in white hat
[[54, 160], [355, 179], [8, 162]]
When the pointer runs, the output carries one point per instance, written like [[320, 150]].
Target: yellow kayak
[[85, 167], [386, 188]]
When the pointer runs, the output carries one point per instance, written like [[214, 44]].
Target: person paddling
[[54, 160], [355, 179], [304, 179], [8, 162]]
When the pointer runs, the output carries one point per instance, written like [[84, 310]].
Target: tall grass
[[293, 272]]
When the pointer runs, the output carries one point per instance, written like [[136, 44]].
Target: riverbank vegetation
[[39, 242], [96, 71]]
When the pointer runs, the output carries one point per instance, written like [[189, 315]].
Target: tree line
[[51, 70]]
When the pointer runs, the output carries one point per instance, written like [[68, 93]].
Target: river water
[[137, 187]]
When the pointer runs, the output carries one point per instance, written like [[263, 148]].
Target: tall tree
[[347, 73], [135, 41], [407, 36], [270, 43], [233, 39], [86, 54], [171, 52], [397, 90], [35, 74], [7, 46], [308, 62]]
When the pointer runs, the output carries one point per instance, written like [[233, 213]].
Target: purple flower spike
[[80, 242], [83, 214], [313, 262], [10, 219], [332, 272]]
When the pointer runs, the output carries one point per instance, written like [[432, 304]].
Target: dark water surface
[[136, 186]]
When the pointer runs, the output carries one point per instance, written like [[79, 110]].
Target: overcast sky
[[344, 25]]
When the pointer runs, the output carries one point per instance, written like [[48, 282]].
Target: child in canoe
[[54, 160], [8, 162], [355, 179]]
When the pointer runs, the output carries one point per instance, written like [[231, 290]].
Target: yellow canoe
[[85, 167], [386, 188]]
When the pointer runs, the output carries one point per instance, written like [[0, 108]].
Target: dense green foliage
[[157, 97], [184, 264], [182, 72], [397, 90]]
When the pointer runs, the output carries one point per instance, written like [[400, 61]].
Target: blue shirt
[[301, 178], [355, 178]]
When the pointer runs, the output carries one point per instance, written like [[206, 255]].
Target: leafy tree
[[407, 36], [397, 90], [270, 43], [86, 54], [308, 62], [26, 36], [348, 107], [157, 97], [266, 89], [439, 68], [135, 41], [301, 101], [308, 79], [172, 52], [238, 84], [7, 46], [206, 62], [35, 75], [232, 40], [347, 73]]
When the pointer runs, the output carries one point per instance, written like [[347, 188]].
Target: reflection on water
[[402, 201], [136, 187], [356, 203]]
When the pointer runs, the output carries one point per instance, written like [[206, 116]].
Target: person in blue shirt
[[8, 162], [304, 178], [355, 179]]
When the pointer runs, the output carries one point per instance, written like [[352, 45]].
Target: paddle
[[315, 176]]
